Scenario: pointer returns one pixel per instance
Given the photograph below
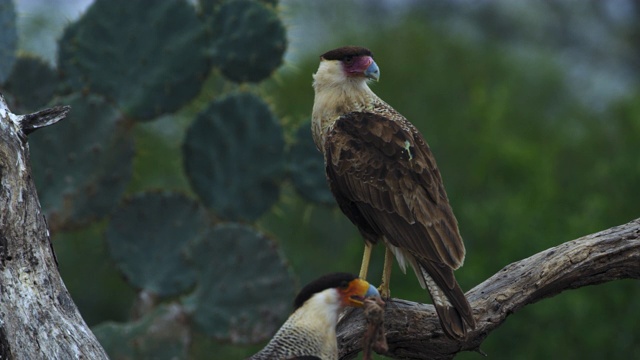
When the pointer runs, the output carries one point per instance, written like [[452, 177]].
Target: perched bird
[[310, 332], [385, 180]]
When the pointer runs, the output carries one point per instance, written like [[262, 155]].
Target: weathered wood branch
[[38, 319], [413, 331]]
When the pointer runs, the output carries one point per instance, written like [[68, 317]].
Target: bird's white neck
[[320, 311], [335, 95], [313, 326]]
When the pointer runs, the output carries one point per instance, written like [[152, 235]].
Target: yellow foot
[[384, 291]]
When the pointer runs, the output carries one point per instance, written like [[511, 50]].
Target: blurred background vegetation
[[532, 110]]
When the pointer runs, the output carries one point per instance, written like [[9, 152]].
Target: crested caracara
[[310, 332], [385, 180]]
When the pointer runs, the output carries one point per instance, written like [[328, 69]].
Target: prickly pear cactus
[[234, 157], [244, 287], [161, 334], [29, 70], [306, 168], [209, 7], [8, 38], [249, 40], [82, 165], [148, 236], [129, 60], [150, 58]]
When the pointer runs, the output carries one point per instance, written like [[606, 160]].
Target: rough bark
[[413, 331], [38, 319]]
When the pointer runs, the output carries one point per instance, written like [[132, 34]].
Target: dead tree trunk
[[38, 319], [413, 331]]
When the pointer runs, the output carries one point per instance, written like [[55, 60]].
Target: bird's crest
[[346, 51], [328, 281]]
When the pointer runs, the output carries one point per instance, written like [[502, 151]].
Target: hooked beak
[[372, 72], [358, 291]]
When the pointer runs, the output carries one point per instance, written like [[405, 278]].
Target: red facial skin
[[356, 66]]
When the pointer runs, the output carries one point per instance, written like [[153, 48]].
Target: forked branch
[[413, 330]]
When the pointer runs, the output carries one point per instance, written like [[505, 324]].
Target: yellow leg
[[365, 261], [385, 293]]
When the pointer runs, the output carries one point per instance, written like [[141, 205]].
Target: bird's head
[[343, 288], [348, 63]]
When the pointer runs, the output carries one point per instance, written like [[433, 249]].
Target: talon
[[385, 292]]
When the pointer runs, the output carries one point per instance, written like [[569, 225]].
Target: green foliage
[[306, 167], [158, 160], [244, 285], [150, 59], [320, 239], [233, 155], [148, 235], [525, 165], [249, 40], [8, 38], [29, 70], [97, 287], [160, 334], [82, 165]]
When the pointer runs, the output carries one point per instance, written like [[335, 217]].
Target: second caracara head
[[348, 63], [310, 332], [339, 289]]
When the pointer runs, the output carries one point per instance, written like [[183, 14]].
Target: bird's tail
[[454, 312]]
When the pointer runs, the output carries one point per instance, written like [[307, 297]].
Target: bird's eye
[[344, 285], [348, 60]]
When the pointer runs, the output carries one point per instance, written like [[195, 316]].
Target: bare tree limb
[[33, 122], [38, 319], [413, 331]]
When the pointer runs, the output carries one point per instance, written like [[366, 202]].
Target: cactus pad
[[149, 58], [147, 237], [161, 334], [245, 288], [306, 167], [209, 7], [82, 164], [32, 84], [250, 40], [8, 38], [233, 157]]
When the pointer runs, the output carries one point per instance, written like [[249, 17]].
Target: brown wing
[[385, 180]]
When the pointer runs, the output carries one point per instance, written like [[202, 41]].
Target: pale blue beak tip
[[372, 292], [373, 72]]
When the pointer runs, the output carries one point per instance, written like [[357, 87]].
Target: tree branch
[[38, 319], [413, 330], [33, 122]]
